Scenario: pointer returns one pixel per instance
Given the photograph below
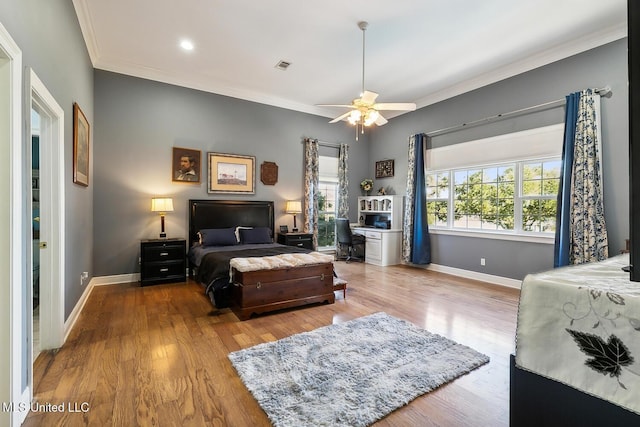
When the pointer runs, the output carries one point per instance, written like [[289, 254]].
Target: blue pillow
[[218, 237], [255, 235]]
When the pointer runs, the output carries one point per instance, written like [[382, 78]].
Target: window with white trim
[[515, 194]]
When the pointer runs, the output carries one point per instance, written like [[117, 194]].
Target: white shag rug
[[352, 373]]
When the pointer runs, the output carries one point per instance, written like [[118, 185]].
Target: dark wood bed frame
[[262, 291]]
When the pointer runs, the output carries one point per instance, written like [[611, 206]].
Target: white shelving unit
[[382, 246], [389, 206]]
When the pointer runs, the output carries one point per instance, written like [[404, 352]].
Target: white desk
[[382, 247]]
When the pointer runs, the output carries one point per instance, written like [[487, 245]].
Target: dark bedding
[[213, 267]]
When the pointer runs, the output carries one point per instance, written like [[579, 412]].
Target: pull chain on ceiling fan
[[364, 111]]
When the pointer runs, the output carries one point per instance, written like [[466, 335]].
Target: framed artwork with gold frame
[[231, 173], [81, 140]]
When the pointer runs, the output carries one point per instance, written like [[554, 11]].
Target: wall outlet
[[482, 261], [83, 276]]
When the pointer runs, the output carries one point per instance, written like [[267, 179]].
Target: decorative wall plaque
[[384, 169], [269, 173]]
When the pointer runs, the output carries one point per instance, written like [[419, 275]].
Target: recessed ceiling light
[[186, 44]]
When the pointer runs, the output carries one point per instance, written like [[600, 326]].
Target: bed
[[232, 254], [577, 359]]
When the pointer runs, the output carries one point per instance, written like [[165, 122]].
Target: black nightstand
[[301, 240], [162, 261]]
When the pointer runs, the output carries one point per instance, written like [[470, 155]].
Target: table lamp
[[293, 207], [162, 205]]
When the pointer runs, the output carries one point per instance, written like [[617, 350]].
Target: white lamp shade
[[293, 207], [159, 204]]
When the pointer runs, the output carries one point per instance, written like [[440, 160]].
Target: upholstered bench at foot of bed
[[340, 284]]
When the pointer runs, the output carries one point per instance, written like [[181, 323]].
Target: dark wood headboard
[[228, 213]]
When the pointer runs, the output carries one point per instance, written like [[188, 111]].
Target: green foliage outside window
[[485, 198]]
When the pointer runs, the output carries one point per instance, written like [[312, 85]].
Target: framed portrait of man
[[185, 166]]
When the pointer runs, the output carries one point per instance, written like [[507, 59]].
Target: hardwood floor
[[158, 355]]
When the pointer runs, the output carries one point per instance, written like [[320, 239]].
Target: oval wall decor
[[269, 173]]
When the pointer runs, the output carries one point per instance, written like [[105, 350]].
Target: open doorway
[[45, 290]]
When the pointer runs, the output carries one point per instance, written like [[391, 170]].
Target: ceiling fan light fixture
[[354, 117], [370, 117]]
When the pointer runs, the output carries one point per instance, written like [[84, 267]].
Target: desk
[[382, 247]]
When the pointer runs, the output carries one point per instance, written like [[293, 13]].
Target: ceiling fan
[[364, 111]]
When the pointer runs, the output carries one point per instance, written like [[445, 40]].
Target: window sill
[[548, 240]]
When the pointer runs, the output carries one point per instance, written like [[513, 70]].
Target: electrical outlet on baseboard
[[83, 277]]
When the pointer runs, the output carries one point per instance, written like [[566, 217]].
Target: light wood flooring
[[157, 355]]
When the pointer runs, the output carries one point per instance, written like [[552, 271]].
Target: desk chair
[[349, 240]]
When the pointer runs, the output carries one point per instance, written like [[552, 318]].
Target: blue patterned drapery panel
[[416, 243], [343, 181], [311, 182]]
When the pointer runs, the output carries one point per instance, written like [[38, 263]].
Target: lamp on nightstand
[[162, 205], [293, 207]]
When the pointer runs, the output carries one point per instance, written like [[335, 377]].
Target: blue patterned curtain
[[416, 243], [343, 182], [311, 182], [581, 232]]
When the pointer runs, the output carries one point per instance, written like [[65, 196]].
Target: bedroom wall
[[597, 68], [52, 45], [139, 121]]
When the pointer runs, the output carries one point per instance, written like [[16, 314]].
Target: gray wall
[[139, 121], [600, 67], [49, 36]]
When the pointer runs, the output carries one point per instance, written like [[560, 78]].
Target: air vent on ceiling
[[283, 65]]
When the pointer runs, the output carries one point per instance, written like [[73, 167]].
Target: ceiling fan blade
[[341, 117], [395, 106], [368, 97], [335, 105], [381, 120]]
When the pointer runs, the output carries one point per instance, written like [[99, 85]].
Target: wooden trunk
[[261, 291]]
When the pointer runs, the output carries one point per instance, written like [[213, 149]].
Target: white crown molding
[[86, 26], [560, 52]]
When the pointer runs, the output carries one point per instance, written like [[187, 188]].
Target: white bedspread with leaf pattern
[[580, 325]]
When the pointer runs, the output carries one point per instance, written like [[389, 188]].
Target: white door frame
[[12, 254], [52, 216]]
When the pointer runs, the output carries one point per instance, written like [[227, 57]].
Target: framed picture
[[231, 173], [384, 169], [185, 165], [80, 147], [284, 229]]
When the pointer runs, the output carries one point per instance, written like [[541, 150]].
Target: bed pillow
[[218, 237], [255, 235], [238, 228]]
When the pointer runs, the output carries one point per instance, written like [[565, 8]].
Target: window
[[516, 197], [327, 202], [510, 188]]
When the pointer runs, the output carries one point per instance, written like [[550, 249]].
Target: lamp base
[[163, 235], [294, 230]]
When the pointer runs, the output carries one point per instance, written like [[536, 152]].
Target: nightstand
[[301, 240], [162, 261]]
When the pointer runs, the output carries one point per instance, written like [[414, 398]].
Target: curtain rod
[[324, 143], [605, 91]]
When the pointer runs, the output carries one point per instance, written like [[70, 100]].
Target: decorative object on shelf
[[185, 165], [80, 147], [269, 173], [293, 207], [382, 191], [162, 205], [366, 186], [231, 173], [384, 169]]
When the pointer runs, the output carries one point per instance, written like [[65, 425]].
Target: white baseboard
[[115, 279], [71, 320], [95, 281], [483, 277]]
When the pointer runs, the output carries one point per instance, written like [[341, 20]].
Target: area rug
[[352, 373]]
